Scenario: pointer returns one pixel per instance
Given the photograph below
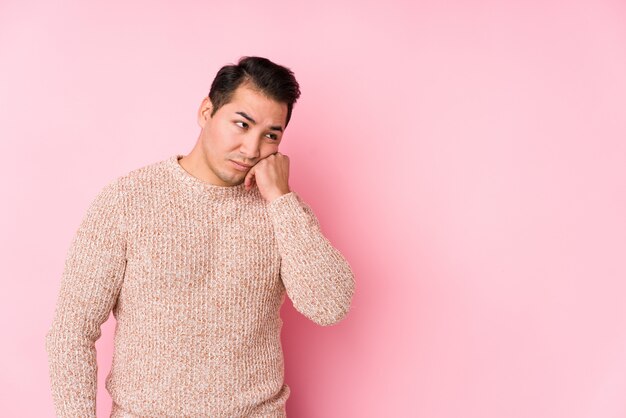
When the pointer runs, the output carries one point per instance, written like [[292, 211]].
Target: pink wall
[[469, 161]]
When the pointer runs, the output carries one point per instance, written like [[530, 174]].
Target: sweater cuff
[[289, 202], [289, 211], [279, 199]]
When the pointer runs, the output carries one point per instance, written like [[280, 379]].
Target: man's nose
[[250, 146]]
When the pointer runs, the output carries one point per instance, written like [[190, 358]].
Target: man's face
[[245, 130]]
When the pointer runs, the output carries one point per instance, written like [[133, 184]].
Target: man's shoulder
[[148, 174], [147, 178]]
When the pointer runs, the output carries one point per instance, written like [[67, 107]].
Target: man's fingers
[[249, 177]]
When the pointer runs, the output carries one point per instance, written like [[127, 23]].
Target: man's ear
[[204, 112]]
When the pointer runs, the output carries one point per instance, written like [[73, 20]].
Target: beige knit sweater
[[195, 275]]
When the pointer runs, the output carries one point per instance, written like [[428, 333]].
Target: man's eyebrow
[[273, 128], [245, 115]]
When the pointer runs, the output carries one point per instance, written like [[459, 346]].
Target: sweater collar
[[203, 187]]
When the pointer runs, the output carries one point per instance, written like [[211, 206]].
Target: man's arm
[[91, 280], [317, 278]]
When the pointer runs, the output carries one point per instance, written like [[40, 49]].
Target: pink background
[[468, 160]]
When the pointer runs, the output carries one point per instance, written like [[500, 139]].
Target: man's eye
[[272, 136], [241, 124]]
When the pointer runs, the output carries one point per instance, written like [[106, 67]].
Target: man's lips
[[240, 166]]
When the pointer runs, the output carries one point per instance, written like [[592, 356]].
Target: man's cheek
[[262, 161]]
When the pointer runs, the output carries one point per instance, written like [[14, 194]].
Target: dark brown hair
[[275, 81]]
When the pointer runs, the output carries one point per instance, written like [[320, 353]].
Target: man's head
[[243, 119], [274, 81]]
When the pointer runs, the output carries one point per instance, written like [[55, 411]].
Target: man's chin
[[235, 180]]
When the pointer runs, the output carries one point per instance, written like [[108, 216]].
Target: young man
[[194, 255]]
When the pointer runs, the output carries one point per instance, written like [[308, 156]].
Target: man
[[194, 255]]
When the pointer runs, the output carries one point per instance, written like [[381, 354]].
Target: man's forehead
[[258, 106]]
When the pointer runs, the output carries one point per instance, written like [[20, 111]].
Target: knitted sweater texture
[[195, 275]]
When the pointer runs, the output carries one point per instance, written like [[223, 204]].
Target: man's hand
[[271, 175]]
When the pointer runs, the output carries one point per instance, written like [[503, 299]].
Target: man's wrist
[[278, 194]]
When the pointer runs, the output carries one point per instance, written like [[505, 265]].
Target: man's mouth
[[240, 166]]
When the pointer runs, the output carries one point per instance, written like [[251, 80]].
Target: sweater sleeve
[[317, 278], [90, 283]]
